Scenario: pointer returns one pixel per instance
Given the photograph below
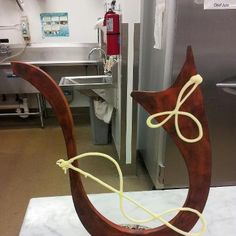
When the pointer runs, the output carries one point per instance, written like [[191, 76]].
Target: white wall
[[82, 16], [130, 10]]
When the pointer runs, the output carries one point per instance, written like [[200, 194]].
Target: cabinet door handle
[[226, 85]]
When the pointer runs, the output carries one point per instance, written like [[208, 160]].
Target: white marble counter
[[55, 216]]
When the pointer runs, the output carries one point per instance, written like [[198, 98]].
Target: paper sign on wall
[[219, 4], [54, 24]]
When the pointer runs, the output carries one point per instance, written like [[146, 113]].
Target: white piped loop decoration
[[65, 165], [195, 81]]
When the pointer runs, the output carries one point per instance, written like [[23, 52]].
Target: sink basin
[[87, 82], [92, 81]]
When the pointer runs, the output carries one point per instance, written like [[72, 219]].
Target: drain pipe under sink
[[21, 108], [24, 106]]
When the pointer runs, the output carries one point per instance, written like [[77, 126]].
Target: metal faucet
[[103, 54]]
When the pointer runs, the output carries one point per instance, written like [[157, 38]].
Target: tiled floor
[[27, 157]]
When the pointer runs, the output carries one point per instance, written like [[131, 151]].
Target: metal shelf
[[39, 113]]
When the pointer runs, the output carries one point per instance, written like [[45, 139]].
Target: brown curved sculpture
[[197, 156]]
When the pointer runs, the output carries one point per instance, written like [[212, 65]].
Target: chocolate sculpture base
[[44, 216]]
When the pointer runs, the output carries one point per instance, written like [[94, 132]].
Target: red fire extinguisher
[[112, 22]]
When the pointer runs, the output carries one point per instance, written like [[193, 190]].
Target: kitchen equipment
[[212, 35]]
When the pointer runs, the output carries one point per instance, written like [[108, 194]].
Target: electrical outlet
[[25, 28]]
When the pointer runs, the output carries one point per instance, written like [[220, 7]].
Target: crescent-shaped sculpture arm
[[197, 156]]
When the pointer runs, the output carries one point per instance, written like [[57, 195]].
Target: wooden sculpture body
[[197, 156]]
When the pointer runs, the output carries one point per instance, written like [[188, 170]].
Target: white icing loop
[[195, 81], [65, 165]]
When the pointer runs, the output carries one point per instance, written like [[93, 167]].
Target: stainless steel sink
[[72, 56], [45, 55], [54, 54], [87, 82], [91, 81]]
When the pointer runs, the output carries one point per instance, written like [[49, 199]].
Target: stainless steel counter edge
[[56, 63], [55, 45]]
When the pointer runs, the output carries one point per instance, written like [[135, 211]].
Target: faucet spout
[[103, 53]]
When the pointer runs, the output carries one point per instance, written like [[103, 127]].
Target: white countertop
[[55, 216]]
